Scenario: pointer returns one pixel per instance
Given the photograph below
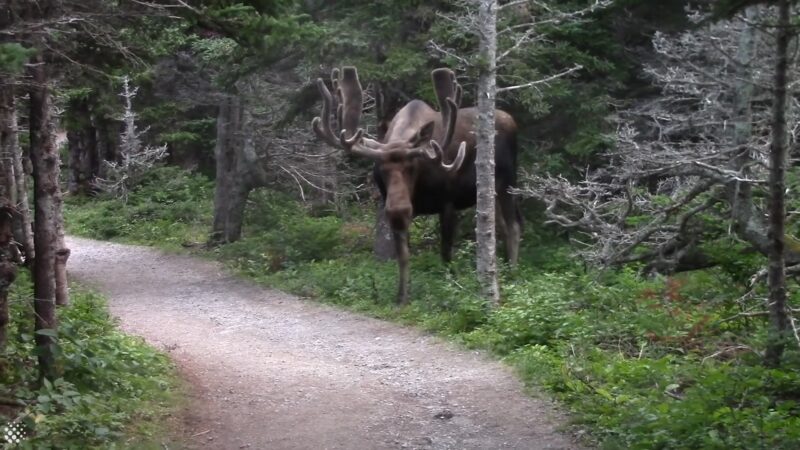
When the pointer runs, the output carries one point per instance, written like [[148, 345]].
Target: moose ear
[[425, 134]]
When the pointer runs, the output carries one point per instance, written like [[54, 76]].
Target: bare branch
[[547, 80]]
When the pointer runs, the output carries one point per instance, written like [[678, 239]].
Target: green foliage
[[13, 57], [114, 387], [280, 234], [171, 207], [248, 34]]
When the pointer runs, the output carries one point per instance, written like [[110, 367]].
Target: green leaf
[[47, 332]]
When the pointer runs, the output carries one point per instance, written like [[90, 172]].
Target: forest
[[599, 194]]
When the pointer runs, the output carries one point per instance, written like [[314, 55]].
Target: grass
[[115, 391], [664, 362], [169, 209]]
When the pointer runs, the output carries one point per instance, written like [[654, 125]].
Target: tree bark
[[23, 223], [383, 247], [8, 130], [14, 185], [231, 186], [83, 153], [44, 157], [484, 162], [74, 149], [106, 142], [744, 211], [8, 270], [779, 333], [8, 144], [62, 254]]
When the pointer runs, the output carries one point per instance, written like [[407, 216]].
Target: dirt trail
[[271, 371]]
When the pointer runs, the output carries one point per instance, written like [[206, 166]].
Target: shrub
[[113, 385]]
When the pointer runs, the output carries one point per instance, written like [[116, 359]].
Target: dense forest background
[[645, 295]]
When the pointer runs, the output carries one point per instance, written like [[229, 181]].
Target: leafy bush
[[114, 387], [169, 207], [280, 233]]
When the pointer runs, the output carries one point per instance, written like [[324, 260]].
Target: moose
[[411, 168]]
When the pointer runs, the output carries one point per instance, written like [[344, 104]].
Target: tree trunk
[[14, 188], [229, 214], [44, 157], [90, 162], [23, 223], [744, 211], [74, 149], [231, 187], [8, 270], [779, 333], [83, 152], [383, 247], [106, 142], [62, 254], [8, 144], [484, 162], [8, 130]]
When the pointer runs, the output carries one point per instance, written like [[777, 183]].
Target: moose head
[[411, 164], [409, 142]]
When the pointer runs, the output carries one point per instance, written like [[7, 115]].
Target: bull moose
[[411, 168]]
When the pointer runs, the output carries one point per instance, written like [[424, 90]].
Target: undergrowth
[[169, 208], [665, 362], [115, 391]]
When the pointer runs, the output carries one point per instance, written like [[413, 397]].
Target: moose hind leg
[[511, 224], [448, 220], [401, 248]]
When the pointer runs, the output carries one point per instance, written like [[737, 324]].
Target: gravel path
[[270, 371]]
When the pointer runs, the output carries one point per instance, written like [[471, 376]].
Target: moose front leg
[[401, 247], [509, 222], [448, 220]]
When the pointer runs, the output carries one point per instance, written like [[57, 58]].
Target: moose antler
[[448, 92], [347, 105], [322, 126], [435, 153]]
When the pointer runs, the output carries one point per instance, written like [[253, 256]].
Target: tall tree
[[8, 145], [262, 32], [236, 166], [23, 221], [484, 161], [46, 195], [8, 269], [777, 191], [520, 25]]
